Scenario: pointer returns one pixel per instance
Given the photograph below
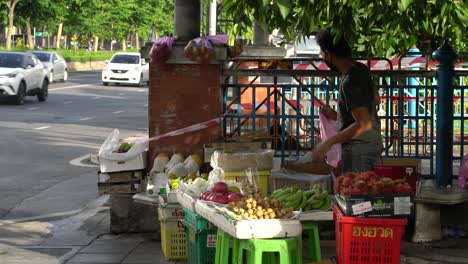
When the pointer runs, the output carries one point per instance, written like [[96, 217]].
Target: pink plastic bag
[[463, 174], [161, 50], [201, 49], [327, 130]]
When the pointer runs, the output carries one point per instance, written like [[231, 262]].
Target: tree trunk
[[11, 4], [154, 36], [124, 46], [43, 40], [112, 45], [102, 44], [96, 43], [65, 39], [28, 32], [137, 41], [59, 35]]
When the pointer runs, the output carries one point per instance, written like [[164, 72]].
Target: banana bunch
[[174, 184], [315, 199]]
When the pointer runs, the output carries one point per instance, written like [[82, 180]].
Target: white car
[[126, 68], [55, 65], [22, 74]]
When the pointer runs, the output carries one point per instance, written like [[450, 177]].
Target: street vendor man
[[358, 127]]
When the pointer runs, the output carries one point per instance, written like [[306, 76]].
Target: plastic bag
[[161, 50], [250, 183], [327, 130], [111, 145], [463, 174], [176, 158], [201, 49], [160, 162], [156, 182], [237, 49], [193, 163]]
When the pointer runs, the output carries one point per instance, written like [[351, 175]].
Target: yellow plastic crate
[[173, 239], [264, 179]]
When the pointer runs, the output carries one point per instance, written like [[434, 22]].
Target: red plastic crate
[[367, 240]]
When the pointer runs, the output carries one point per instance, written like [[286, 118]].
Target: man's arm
[[361, 125]]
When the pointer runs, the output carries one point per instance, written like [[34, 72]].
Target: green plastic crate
[[201, 244], [196, 221]]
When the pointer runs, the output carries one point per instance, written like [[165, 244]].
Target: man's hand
[[320, 151], [329, 113]]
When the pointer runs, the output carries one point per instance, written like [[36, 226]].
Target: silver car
[[55, 65]]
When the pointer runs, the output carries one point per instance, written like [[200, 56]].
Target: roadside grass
[[80, 55]]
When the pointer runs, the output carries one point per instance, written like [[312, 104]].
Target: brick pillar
[[182, 95]]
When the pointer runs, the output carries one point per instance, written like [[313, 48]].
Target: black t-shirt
[[356, 90]]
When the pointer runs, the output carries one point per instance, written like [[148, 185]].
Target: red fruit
[[350, 175], [398, 188], [407, 188], [220, 187], [355, 191], [337, 188], [218, 198], [347, 181], [234, 197], [374, 189], [339, 180], [205, 195], [368, 175], [359, 178], [359, 184], [346, 191]]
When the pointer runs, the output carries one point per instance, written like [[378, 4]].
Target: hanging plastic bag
[[161, 50], [463, 174], [159, 163], [328, 130], [201, 49], [237, 49], [109, 149]]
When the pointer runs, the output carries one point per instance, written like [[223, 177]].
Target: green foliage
[[375, 28]]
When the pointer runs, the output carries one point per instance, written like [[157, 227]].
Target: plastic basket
[[173, 239], [264, 179], [201, 244], [367, 240], [196, 221]]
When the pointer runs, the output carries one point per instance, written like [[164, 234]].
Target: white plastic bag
[[159, 162], [112, 143], [328, 130]]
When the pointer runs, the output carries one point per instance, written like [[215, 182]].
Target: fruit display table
[[249, 229]]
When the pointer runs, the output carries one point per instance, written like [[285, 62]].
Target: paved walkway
[[84, 239]]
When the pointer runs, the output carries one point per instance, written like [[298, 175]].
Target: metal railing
[[284, 103]]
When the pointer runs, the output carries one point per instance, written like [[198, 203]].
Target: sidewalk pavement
[[84, 239]]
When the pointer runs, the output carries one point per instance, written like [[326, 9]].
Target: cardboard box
[[233, 146], [121, 188], [120, 177], [137, 163], [399, 168], [377, 206], [318, 168]]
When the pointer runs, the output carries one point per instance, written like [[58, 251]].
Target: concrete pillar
[[446, 57], [261, 34], [187, 19], [212, 17]]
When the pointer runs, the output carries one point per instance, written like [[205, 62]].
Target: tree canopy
[[374, 28], [105, 19]]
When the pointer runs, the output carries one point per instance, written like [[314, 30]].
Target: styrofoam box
[[186, 200], [137, 163], [249, 229]]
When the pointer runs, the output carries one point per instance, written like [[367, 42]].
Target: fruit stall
[[237, 205]]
